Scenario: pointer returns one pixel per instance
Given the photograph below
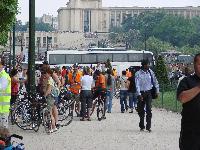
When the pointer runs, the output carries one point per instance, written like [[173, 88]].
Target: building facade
[[90, 16]]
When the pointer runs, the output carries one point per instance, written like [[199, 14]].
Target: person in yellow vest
[[5, 95]]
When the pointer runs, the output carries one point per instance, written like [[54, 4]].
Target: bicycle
[[30, 115], [65, 111], [99, 102]]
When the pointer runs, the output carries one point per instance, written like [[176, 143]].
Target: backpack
[[125, 82], [55, 92]]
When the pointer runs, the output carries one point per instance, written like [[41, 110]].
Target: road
[[118, 132]]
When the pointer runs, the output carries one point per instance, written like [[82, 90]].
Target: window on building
[[87, 18], [55, 39]]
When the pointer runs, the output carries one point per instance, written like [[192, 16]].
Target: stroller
[[5, 143]]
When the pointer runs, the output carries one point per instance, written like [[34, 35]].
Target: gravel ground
[[118, 132]]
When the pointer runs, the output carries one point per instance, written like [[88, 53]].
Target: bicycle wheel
[[67, 116], [46, 120], [22, 117], [100, 110]]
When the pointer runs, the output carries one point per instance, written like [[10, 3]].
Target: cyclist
[[74, 79], [47, 84], [100, 88]]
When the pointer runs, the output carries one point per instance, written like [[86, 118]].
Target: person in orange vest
[[74, 78]]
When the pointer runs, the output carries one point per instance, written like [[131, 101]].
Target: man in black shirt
[[188, 93]]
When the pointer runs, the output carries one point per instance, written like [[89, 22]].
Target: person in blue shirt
[[143, 80]]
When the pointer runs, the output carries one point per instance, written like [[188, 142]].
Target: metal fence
[[167, 98]]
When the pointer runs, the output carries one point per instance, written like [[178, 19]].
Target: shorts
[[50, 102]]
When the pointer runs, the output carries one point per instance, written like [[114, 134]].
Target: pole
[[47, 43], [13, 63], [10, 51], [38, 45], [31, 51]]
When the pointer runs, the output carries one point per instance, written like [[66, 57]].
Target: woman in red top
[[14, 85]]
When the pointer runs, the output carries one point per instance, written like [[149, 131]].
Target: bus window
[[89, 58], [120, 57], [56, 59], [135, 57], [148, 56], [72, 59], [104, 57]]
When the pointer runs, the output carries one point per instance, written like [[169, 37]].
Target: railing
[[167, 98]]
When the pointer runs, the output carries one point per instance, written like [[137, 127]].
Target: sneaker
[[104, 117], [88, 119], [82, 119], [131, 112], [141, 129], [58, 126], [54, 130], [149, 130], [122, 111], [51, 131]]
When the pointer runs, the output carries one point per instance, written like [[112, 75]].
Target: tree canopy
[[8, 11], [39, 26], [160, 31]]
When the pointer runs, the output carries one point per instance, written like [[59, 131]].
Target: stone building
[[90, 16]]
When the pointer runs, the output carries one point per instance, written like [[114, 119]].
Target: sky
[[51, 6]]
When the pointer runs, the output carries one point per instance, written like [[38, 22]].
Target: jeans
[[132, 100], [147, 99], [109, 97], [123, 100], [86, 99]]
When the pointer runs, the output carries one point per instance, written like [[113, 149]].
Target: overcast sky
[[51, 6]]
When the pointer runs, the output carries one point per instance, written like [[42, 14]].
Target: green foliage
[[161, 31], [20, 27], [190, 50], [8, 11], [43, 27], [38, 26], [161, 71], [156, 46], [175, 29], [108, 64]]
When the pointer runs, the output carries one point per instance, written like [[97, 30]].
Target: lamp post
[[10, 63], [31, 51], [38, 45], [13, 63]]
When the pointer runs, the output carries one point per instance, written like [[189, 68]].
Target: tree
[[175, 29], [156, 46], [108, 64], [8, 11], [39, 26], [43, 27], [161, 71], [20, 27]]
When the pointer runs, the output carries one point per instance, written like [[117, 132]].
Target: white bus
[[120, 60]]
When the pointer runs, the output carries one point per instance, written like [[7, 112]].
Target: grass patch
[[168, 101]]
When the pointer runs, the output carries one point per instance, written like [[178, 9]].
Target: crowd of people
[[88, 82]]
